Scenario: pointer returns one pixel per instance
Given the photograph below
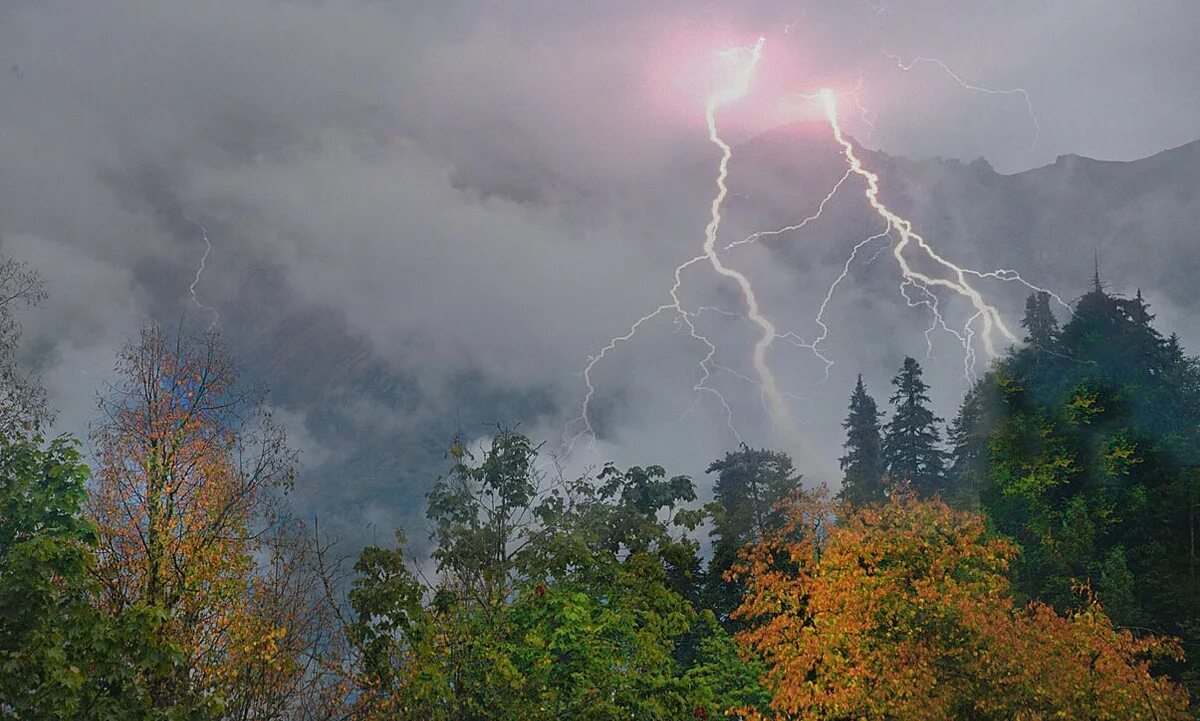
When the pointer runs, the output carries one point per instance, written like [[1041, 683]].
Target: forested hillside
[[1035, 558]]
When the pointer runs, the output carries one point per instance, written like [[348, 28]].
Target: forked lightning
[[934, 272]]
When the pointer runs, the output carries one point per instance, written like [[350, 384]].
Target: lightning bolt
[[993, 322], [777, 409], [930, 301], [683, 316], [820, 317], [864, 115], [754, 237], [216, 314], [1024, 94], [772, 397], [1011, 276], [991, 330], [957, 281]]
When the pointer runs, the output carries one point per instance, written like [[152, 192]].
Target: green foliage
[[588, 598], [556, 600], [1090, 456], [726, 676], [1040, 325], [478, 510], [750, 485], [61, 658], [969, 456]]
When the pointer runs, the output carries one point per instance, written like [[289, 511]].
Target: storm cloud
[[426, 216]]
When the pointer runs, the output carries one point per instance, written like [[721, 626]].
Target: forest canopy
[[1035, 558]]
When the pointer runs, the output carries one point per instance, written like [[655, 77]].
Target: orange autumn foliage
[[904, 611], [184, 503]]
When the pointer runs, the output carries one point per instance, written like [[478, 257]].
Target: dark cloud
[[426, 216]]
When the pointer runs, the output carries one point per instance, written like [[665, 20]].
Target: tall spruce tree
[[751, 483], [863, 462], [967, 436], [1040, 325], [911, 452]]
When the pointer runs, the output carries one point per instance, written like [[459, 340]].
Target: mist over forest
[[554, 360]]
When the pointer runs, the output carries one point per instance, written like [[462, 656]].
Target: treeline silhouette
[[1034, 559]]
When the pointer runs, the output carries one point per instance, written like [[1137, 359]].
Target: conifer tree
[[911, 452], [863, 462], [1091, 466], [750, 484], [968, 456], [1139, 311], [1039, 322]]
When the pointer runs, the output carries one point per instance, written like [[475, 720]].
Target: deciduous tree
[[185, 505], [905, 611], [22, 399], [61, 658], [554, 599]]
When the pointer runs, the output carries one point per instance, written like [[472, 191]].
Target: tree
[[554, 600], [1089, 460], [185, 505], [750, 484], [22, 400], [863, 462], [61, 657], [1041, 327], [911, 454], [479, 514], [904, 610], [968, 436]]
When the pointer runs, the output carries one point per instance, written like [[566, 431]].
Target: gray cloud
[[427, 216]]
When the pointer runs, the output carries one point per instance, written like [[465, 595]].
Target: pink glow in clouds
[[691, 62]]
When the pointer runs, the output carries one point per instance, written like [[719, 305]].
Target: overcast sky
[[469, 198]]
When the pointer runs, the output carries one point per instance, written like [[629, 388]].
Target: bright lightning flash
[[957, 280], [948, 276], [772, 397], [776, 406]]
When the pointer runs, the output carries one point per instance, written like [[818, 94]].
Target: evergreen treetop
[[1040, 325], [863, 461], [750, 485], [911, 442]]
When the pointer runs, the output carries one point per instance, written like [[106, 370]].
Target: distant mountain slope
[[377, 435], [1141, 218]]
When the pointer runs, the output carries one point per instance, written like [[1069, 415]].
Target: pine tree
[[863, 462], [968, 450], [1139, 311], [1039, 322], [750, 484], [1115, 336], [911, 440]]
